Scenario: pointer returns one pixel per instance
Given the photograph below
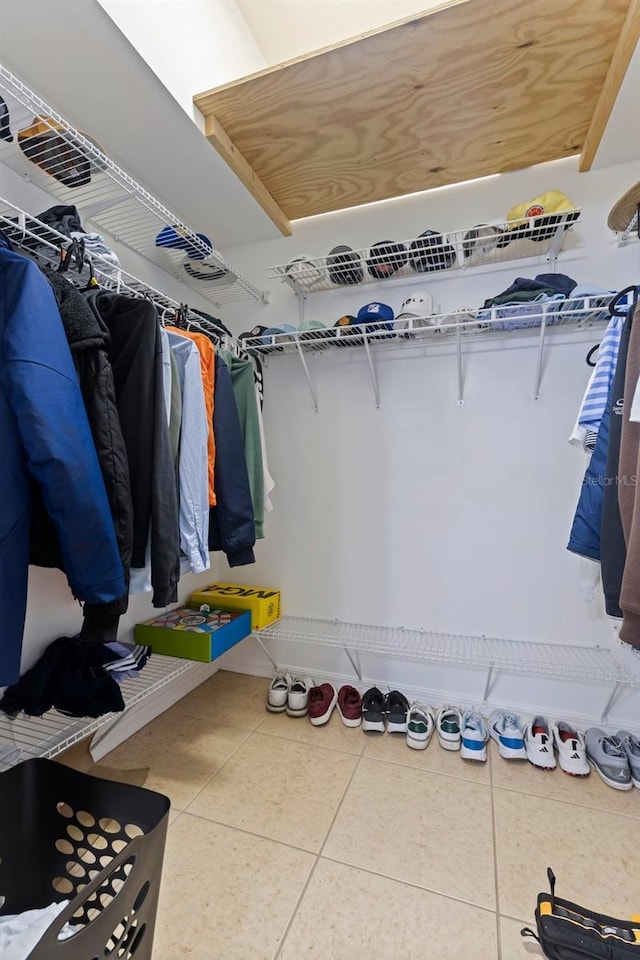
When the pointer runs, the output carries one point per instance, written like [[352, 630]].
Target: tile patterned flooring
[[291, 842]]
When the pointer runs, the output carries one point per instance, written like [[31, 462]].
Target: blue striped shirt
[[595, 399]]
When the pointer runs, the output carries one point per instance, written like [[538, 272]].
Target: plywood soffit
[[475, 88]]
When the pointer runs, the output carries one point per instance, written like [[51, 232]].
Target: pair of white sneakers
[[537, 741], [289, 694], [455, 729]]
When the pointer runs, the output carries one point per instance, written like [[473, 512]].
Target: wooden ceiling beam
[[624, 50], [222, 142]]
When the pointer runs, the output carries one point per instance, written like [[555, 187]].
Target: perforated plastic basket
[[67, 835]]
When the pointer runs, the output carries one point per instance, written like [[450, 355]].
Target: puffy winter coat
[[45, 438]]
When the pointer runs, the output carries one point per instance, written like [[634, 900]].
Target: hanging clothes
[[231, 524], [208, 367], [45, 437], [613, 547], [244, 391], [628, 496], [87, 339], [193, 462], [269, 482], [595, 399], [135, 354]]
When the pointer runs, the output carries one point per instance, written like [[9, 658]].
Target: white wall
[[285, 29], [191, 45], [425, 513]]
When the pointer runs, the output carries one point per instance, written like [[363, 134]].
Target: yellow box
[[263, 602]]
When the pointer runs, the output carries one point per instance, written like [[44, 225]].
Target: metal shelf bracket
[[460, 367], [540, 357], [610, 702], [355, 662], [372, 371], [303, 361]]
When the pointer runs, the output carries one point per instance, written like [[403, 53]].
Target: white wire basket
[[430, 256], [46, 244], [577, 314], [45, 149]]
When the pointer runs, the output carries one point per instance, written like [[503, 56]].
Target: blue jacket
[[231, 524], [45, 439]]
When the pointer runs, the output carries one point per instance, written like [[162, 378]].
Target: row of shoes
[[616, 758]]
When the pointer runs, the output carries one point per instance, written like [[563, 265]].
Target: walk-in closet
[[320, 438]]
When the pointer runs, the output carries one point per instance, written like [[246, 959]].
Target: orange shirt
[[208, 367]]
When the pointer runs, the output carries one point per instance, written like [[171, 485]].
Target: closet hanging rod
[[19, 226]]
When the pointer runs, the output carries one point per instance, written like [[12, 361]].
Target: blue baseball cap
[[176, 238], [375, 312]]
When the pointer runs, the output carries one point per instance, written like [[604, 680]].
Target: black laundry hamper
[[67, 835]]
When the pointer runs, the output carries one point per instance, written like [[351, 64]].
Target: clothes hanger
[[614, 302], [590, 361]]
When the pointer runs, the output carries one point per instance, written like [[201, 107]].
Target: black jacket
[[134, 349], [87, 339], [231, 523]]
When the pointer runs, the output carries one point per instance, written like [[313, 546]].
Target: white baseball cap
[[418, 305]]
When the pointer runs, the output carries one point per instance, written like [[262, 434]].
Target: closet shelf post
[[610, 702], [372, 371], [303, 360], [540, 356], [460, 370], [556, 240], [488, 685], [355, 663], [256, 637]]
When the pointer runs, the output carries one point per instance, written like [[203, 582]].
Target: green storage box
[[194, 635]]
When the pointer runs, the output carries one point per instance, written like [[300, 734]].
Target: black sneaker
[[397, 712], [374, 708]]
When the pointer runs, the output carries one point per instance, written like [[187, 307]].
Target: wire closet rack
[[419, 333], [53, 733], [20, 227], [431, 256], [46, 150], [489, 654]]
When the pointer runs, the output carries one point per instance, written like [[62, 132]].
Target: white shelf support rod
[[610, 702], [355, 663], [303, 361], [540, 357], [302, 300], [372, 371], [488, 685], [256, 637], [556, 241], [460, 370]]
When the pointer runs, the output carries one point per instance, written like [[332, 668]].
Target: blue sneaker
[[474, 737], [508, 732]]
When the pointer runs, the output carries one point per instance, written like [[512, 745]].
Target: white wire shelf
[[536, 659], [43, 148], [45, 242], [429, 257], [52, 734], [577, 314]]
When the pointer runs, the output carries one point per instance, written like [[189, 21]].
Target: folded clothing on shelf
[[78, 679], [519, 306], [519, 316]]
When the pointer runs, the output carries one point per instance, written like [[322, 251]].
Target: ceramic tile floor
[[290, 842]]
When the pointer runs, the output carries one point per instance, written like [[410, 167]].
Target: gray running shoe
[[631, 746], [608, 759]]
